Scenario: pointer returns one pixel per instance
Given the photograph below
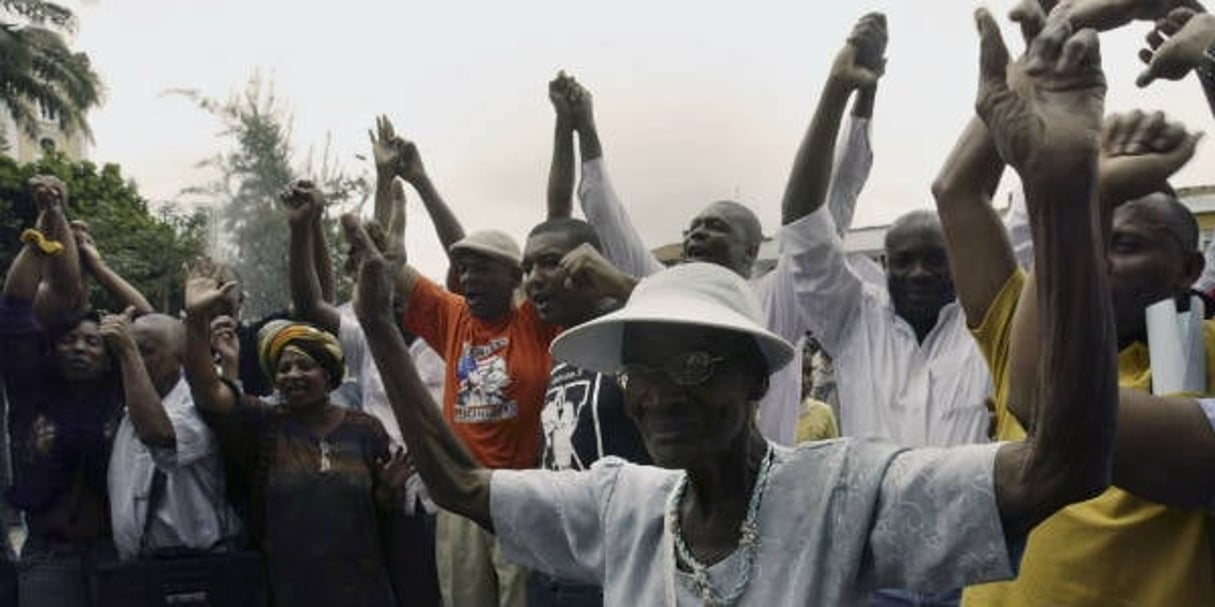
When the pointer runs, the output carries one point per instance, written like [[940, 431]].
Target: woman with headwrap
[[318, 475]]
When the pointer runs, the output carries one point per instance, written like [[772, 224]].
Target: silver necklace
[[748, 539], [326, 451]]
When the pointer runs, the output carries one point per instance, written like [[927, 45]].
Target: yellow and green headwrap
[[322, 346]]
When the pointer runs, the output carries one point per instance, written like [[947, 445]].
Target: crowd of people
[[570, 423]]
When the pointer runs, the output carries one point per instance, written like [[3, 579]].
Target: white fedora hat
[[696, 294]]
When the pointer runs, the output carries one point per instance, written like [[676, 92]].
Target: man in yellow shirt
[[1144, 542]]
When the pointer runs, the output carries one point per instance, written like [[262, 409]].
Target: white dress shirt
[[623, 246], [890, 385], [193, 511]]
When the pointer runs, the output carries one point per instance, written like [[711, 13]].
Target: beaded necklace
[[748, 540]]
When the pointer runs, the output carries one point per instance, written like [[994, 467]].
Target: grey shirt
[[839, 519]]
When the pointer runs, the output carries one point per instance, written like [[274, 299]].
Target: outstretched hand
[[373, 291], [48, 191], [869, 36], [559, 96], [385, 147], [860, 63], [85, 245], [206, 296], [392, 474], [303, 201], [115, 330], [1104, 15], [1046, 119], [224, 340], [1139, 152], [1177, 45], [582, 106]]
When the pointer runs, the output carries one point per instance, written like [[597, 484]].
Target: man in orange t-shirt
[[497, 372], [496, 352]]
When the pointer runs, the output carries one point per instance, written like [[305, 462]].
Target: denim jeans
[[56, 573], [907, 598], [8, 572]]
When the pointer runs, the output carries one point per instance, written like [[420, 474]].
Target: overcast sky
[[695, 101]]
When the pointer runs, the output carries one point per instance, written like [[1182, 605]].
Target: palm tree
[[40, 77]]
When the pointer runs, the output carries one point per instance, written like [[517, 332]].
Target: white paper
[[1176, 347]]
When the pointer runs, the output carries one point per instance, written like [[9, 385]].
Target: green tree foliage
[[40, 77], [145, 248], [255, 168]]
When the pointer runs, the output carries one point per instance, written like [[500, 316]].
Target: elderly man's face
[[687, 389], [718, 235], [1148, 263], [489, 284]]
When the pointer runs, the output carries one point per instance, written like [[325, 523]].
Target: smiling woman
[[305, 464]]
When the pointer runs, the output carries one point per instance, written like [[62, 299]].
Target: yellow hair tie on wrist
[[44, 244]]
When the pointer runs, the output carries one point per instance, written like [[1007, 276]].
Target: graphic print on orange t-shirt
[[482, 380]]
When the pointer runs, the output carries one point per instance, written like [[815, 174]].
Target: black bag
[[179, 577]]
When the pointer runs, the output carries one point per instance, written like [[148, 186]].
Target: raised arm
[[808, 183], [204, 300], [1048, 129], [853, 162], [321, 259], [25, 273], [455, 480], [63, 290], [446, 224], [109, 280], [980, 256], [622, 244], [304, 205], [395, 157], [144, 407], [560, 193]]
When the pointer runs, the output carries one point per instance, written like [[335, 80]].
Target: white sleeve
[[554, 521], [622, 245], [1206, 281], [825, 287], [937, 525], [1016, 222], [853, 162], [193, 438], [354, 342]]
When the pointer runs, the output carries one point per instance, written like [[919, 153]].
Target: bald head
[[917, 269], [1169, 214], [916, 224], [742, 217], [162, 341], [1153, 255], [725, 233], [164, 327]]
